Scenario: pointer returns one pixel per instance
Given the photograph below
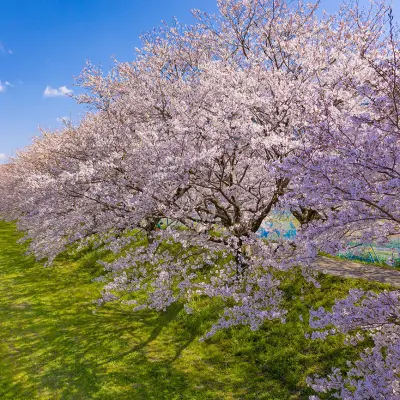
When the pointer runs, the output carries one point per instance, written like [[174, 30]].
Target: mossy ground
[[56, 344]]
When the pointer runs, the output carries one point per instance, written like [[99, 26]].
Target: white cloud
[[61, 91], [64, 119], [4, 84], [2, 156], [3, 49]]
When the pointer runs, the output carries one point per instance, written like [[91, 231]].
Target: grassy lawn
[[56, 344]]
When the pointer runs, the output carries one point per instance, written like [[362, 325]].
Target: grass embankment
[[55, 343]]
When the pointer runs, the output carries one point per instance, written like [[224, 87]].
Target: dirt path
[[350, 269]]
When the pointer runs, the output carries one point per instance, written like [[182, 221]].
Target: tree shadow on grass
[[53, 345], [81, 355]]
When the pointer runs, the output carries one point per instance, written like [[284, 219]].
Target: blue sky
[[45, 43]]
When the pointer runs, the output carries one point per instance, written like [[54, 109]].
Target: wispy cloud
[[4, 84], [64, 119], [52, 92], [4, 50], [2, 157]]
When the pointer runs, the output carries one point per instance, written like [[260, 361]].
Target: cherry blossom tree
[[195, 131], [351, 172], [351, 179]]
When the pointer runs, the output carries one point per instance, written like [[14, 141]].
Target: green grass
[[56, 344]]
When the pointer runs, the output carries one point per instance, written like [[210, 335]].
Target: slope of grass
[[56, 344]]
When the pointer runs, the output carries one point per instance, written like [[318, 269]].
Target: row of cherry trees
[[266, 106]]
